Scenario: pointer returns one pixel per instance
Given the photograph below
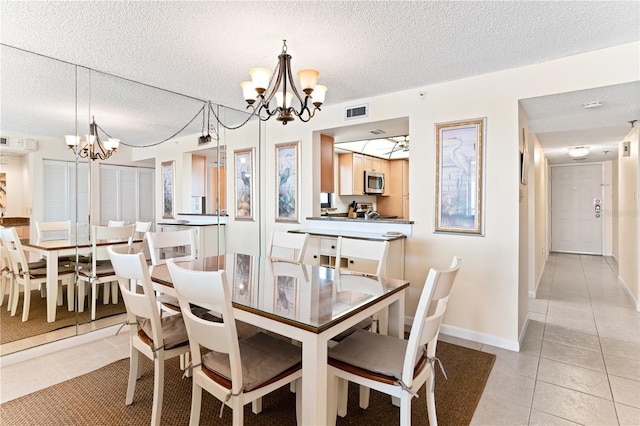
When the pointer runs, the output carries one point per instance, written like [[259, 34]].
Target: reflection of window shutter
[[127, 195], [145, 195], [108, 194], [61, 200]]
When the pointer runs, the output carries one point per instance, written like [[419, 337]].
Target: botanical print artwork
[[244, 184], [287, 182], [3, 190], [167, 189], [285, 295], [459, 179], [242, 279]]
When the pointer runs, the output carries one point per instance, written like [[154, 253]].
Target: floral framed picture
[[243, 278], [287, 182], [168, 183], [459, 177], [244, 183]]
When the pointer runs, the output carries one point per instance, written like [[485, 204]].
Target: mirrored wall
[[42, 100]]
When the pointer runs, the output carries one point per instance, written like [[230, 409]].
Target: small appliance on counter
[[362, 209]]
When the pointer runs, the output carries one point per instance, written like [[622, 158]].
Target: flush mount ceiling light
[[590, 105], [262, 89], [578, 151], [92, 147]]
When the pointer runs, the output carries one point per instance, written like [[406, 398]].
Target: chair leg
[[405, 409], [27, 302], [364, 397], [15, 298], [105, 293], [342, 395], [196, 402], [81, 295], [256, 406], [114, 292], [334, 397], [133, 375], [238, 412], [70, 293], [60, 300], [158, 387], [3, 287], [431, 403], [94, 296], [298, 382]]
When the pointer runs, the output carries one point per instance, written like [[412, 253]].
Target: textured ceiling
[[205, 49]]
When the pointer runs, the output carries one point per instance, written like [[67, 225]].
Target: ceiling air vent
[[356, 111]]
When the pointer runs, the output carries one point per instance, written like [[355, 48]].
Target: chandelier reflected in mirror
[[92, 147], [260, 91]]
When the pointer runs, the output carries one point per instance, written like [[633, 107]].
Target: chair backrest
[[284, 268], [140, 233], [142, 228], [288, 246], [178, 245], [132, 268], [47, 231], [209, 290], [116, 223], [371, 255], [100, 234], [15, 252], [426, 325]]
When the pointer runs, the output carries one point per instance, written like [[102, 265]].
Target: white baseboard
[[631, 296], [59, 345], [474, 336]]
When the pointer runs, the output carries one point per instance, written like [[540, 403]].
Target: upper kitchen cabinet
[[198, 173], [327, 183], [351, 173]]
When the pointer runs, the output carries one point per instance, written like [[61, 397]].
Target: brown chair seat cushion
[[263, 358], [174, 332], [373, 352]]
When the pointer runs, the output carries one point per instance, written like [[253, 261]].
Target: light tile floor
[[580, 361]]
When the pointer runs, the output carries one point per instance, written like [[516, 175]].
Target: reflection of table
[[51, 251], [314, 312]]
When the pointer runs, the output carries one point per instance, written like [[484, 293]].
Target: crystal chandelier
[[92, 147], [262, 89]]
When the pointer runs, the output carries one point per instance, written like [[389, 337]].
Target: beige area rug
[[98, 398], [12, 328]]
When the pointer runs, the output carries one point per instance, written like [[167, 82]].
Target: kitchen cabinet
[[198, 173], [321, 251], [327, 183], [23, 232], [351, 169], [396, 199]]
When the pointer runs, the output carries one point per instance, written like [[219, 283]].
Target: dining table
[[307, 303], [52, 251]]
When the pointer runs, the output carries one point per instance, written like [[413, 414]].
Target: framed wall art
[[244, 183], [459, 176], [168, 183], [287, 182], [524, 159], [242, 279]]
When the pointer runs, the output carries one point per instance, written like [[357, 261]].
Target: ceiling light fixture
[[261, 89], [92, 147], [578, 151]]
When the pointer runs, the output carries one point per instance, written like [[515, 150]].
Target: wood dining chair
[[391, 365], [100, 270], [234, 371], [30, 278], [159, 339]]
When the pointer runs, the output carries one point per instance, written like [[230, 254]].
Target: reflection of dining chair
[[285, 268], [115, 223], [100, 270], [234, 371], [6, 274], [26, 276], [392, 365], [365, 256], [140, 233], [156, 338], [179, 245], [60, 230], [288, 246]]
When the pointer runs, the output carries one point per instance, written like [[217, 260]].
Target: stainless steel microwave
[[373, 182]]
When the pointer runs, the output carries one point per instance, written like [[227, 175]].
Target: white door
[[577, 209]]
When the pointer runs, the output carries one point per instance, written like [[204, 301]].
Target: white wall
[[486, 302]]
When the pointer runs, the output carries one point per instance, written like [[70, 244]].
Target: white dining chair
[[100, 270], [391, 365], [234, 371], [159, 339], [29, 278], [180, 245], [364, 256], [288, 246], [115, 223], [59, 230], [6, 275], [140, 233]]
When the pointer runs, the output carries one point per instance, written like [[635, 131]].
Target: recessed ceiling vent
[[356, 111]]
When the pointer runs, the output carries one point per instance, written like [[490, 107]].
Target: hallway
[[580, 361]]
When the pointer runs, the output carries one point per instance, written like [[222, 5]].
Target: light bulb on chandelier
[[260, 91]]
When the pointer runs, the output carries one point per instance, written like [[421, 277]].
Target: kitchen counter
[[358, 227], [361, 219], [349, 234], [15, 221]]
